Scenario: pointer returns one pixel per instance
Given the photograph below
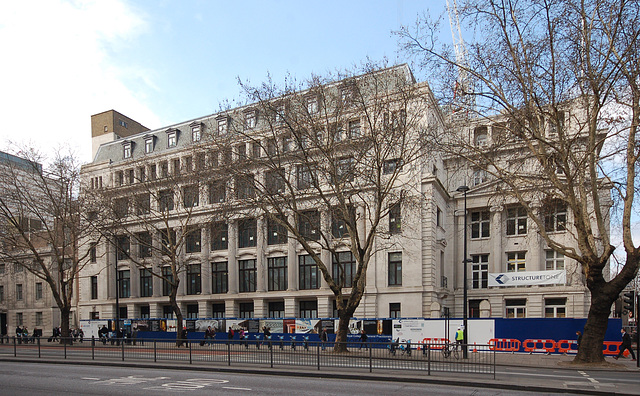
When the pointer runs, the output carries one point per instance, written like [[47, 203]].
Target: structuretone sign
[[528, 278]]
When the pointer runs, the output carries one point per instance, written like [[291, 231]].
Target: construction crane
[[463, 99]]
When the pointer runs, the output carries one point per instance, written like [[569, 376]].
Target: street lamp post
[[465, 349]]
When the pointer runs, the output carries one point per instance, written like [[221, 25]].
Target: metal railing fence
[[430, 358]]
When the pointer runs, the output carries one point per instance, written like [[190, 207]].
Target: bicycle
[[450, 349]]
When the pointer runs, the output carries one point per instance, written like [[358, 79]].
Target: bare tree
[[326, 164], [153, 217], [40, 222], [560, 82]]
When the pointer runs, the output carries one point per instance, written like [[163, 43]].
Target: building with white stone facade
[[247, 267]]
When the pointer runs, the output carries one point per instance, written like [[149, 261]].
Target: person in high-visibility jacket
[[459, 336]]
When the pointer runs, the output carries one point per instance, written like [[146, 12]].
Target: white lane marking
[[235, 388], [91, 378]]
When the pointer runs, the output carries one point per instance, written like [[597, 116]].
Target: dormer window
[[172, 138], [250, 119], [480, 136], [223, 125], [280, 113], [126, 149], [196, 132], [148, 144], [312, 104]]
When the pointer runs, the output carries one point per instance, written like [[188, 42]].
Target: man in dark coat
[[626, 344]]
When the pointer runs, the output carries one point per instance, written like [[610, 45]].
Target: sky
[[161, 62]]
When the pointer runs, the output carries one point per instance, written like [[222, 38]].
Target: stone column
[[292, 262], [497, 257], [233, 261], [261, 266], [205, 266]]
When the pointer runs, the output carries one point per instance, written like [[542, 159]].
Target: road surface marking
[[234, 388]]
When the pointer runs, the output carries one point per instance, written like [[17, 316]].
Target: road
[[26, 379]]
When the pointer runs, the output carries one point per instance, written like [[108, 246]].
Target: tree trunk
[[341, 335], [65, 314], [590, 350], [179, 319]]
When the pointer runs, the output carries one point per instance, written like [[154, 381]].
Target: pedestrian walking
[[323, 338], [209, 334], [184, 335], [626, 344], [267, 335], [230, 334], [363, 338]]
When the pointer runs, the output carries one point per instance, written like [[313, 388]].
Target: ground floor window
[[479, 271], [218, 310], [474, 308], [145, 312], [124, 313], [246, 310], [167, 312], [394, 310], [555, 308], [192, 311], [308, 309], [276, 309], [516, 308]]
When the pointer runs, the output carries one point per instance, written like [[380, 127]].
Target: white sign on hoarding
[[528, 278]]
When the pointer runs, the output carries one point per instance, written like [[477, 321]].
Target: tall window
[[394, 310], [167, 280], [217, 310], [223, 126], [172, 139], [38, 318], [480, 224], [245, 186], [247, 233], [312, 104], [18, 292], [19, 319], [168, 240], [276, 232], [219, 278], [193, 240], [143, 204], [1, 293], [306, 174], [246, 310], [395, 269], [555, 308], [309, 224], [217, 191], [479, 271], [191, 196], [39, 291], [395, 219], [219, 235], [144, 244], [516, 261], [339, 223], [344, 268], [308, 272], [145, 312], [194, 283], [195, 133], [516, 308], [354, 129], [555, 216], [277, 273], [275, 181], [250, 119], [148, 145], [516, 221], [122, 251], [390, 166], [554, 260], [93, 256], [124, 284], [309, 309], [146, 283], [344, 170], [165, 200], [247, 272], [94, 287], [126, 150], [276, 309], [192, 311], [167, 312]]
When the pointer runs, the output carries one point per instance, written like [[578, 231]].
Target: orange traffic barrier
[[611, 348], [547, 346], [475, 350], [566, 346], [504, 344]]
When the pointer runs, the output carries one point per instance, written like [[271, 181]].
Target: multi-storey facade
[[236, 262], [25, 300]]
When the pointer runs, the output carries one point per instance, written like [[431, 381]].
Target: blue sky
[[161, 62]]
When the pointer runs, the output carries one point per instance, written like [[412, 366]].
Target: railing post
[[122, 343], [64, 342], [370, 358], [15, 347], [190, 359], [318, 349], [428, 359], [271, 353], [229, 352], [39, 355], [93, 348], [155, 350], [494, 363]]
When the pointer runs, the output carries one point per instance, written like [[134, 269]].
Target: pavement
[[507, 378]]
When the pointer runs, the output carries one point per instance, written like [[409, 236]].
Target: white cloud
[[58, 70]]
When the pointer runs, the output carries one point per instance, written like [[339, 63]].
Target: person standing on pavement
[[363, 338], [579, 339], [626, 344], [459, 337], [323, 337]]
